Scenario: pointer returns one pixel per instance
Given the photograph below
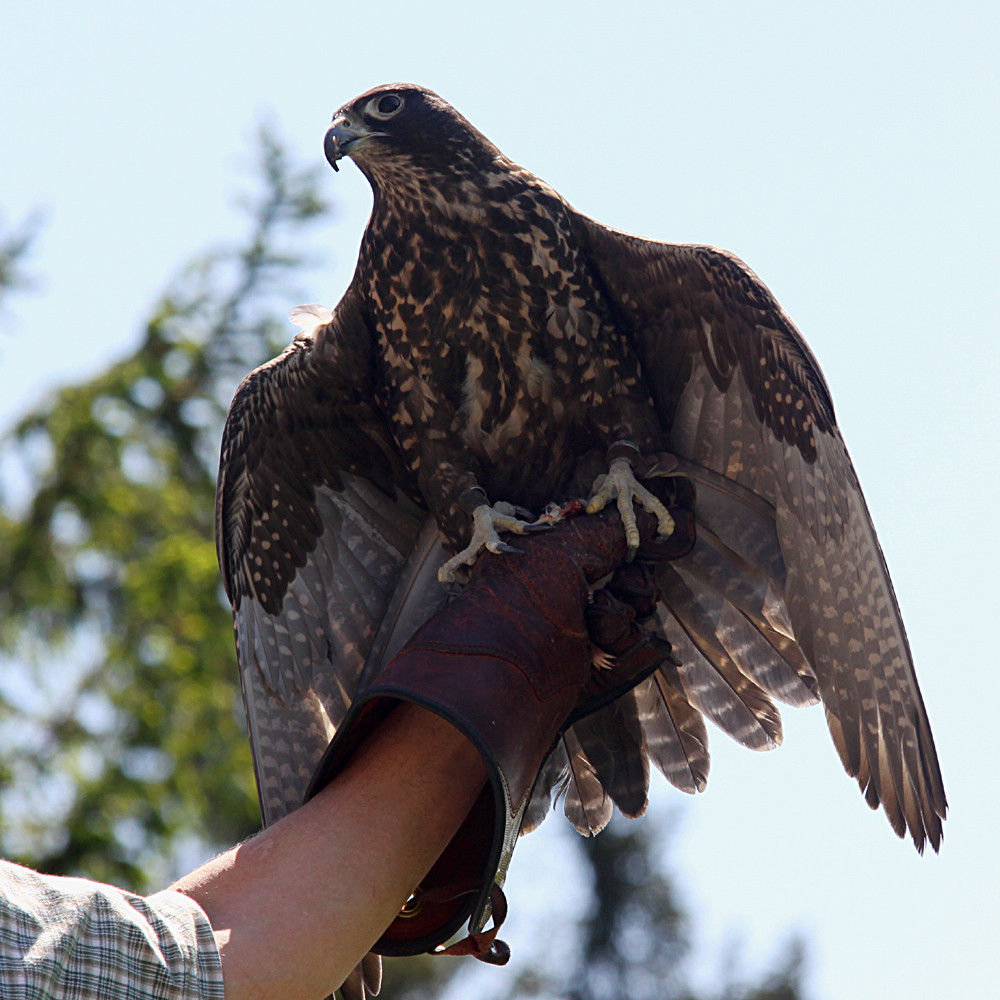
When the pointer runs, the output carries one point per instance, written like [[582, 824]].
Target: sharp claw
[[503, 547], [487, 523]]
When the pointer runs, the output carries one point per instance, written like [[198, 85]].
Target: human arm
[[295, 909]]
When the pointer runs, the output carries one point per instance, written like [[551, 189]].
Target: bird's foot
[[487, 523], [620, 484]]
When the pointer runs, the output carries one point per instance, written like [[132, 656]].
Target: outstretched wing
[[747, 410], [315, 518]]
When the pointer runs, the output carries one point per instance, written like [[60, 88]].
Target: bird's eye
[[384, 107]]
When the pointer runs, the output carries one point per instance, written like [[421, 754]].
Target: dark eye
[[389, 104]]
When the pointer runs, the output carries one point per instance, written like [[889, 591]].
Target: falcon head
[[403, 125]]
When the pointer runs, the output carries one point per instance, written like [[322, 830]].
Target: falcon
[[496, 351]]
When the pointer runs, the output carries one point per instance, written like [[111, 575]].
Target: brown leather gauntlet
[[510, 663]]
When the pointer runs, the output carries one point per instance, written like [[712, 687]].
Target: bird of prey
[[496, 346]]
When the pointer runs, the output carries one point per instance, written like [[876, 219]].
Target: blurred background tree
[[123, 751], [14, 248], [122, 736]]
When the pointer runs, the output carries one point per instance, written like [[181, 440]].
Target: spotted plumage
[[494, 336], [495, 339]]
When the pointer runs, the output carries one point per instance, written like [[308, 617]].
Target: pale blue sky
[[849, 152]]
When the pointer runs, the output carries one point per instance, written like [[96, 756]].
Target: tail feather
[[365, 979], [674, 732], [549, 785], [613, 742], [587, 805], [371, 972]]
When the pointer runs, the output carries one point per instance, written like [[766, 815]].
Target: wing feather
[[745, 404], [315, 523]]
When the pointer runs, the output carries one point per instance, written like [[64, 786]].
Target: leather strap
[[485, 946]]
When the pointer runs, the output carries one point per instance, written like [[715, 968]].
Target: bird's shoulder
[[298, 422], [691, 307]]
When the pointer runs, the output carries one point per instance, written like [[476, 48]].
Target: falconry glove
[[519, 655]]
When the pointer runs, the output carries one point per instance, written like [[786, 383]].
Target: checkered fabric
[[71, 939]]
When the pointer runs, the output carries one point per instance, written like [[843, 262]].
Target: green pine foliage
[[121, 729]]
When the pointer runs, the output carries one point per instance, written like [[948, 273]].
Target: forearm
[[296, 908]]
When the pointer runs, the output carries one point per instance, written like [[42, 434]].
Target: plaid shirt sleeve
[[71, 939]]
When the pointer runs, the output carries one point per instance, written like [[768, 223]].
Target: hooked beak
[[343, 136]]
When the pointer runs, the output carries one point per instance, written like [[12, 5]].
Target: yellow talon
[[620, 484]]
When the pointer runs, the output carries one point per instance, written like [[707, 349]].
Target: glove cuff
[[513, 745]]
